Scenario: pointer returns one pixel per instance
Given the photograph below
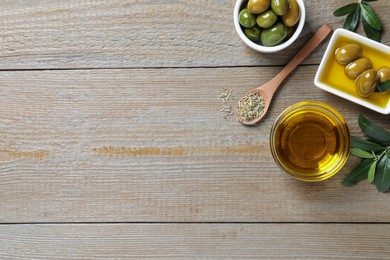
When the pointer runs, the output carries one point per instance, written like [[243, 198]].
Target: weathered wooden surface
[[129, 33], [124, 145], [196, 241], [110, 129]]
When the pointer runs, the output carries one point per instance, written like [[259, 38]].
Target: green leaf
[[361, 153], [352, 20], [365, 145], [371, 32], [370, 16], [382, 179], [384, 86], [346, 9], [374, 131], [359, 173], [371, 171]]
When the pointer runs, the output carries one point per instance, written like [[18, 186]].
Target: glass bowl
[[310, 141]]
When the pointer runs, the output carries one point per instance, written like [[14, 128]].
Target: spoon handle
[[309, 47]]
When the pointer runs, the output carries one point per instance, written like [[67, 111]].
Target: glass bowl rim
[[331, 112]]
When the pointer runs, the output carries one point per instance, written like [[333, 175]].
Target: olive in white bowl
[[269, 26], [334, 73]]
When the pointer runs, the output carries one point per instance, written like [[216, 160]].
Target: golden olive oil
[[333, 74], [310, 142]]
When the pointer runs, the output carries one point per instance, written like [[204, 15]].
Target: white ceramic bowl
[[330, 75], [239, 6]]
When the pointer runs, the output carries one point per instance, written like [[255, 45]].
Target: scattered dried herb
[[250, 106], [225, 97], [361, 10], [375, 154]]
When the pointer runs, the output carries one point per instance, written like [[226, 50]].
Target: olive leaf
[[384, 86], [370, 16], [382, 179], [375, 154], [364, 12], [344, 10], [371, 171], [361, 153], [374, 131], [368, 146], [352, 19], [371, 32], [359, 173]]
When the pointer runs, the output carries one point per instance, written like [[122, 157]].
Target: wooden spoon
[[267, 90]]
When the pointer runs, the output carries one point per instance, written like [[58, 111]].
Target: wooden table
[[113, 145]]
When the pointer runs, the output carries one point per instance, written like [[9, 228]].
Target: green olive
[[348, 52], [356, 67], [247, 19], [253, 33], [279, 6], [266, 19], [273, 35], [290, 31], [258, 6], [383, 74], [366, 83], [291, 17]]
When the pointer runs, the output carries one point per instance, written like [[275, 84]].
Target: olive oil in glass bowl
[[310, 140]]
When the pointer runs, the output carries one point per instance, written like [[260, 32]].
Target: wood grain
[[138, 34], [113, 144], [189, 241], [124, 145]]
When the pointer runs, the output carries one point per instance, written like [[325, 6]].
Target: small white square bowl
[[329, 73]]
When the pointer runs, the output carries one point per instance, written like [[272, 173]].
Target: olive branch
[[374, 152], [361, 11]]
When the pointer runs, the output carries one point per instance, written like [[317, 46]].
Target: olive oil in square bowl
[[310, 141], [330, 74]]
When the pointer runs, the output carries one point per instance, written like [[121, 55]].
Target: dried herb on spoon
[[374, 152], [361, 11]]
